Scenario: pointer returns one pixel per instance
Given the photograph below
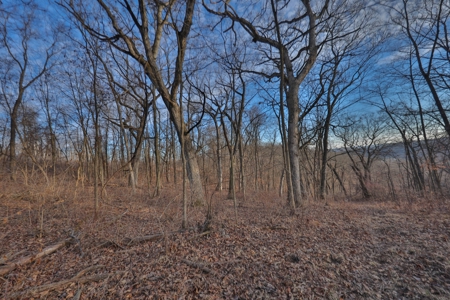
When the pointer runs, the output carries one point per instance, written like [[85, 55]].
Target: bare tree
[[45, 96], [426, 25], [298, 38], [133, 98], [342, 72], [363, 140], [75, 112], [22, 62], [140, 30]]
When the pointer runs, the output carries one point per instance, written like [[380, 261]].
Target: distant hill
[[397, 150]]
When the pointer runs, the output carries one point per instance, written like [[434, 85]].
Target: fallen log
[[61, 284], [9, 266]]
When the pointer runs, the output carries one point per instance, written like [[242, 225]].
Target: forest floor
[[134, 249]]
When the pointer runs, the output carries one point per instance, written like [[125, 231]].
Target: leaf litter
[[135, 250]]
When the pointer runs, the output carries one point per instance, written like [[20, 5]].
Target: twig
[[200, 266], [199, 235], [145, 238], [204, 233], [78, 294], [89, 269], [109, 243], [118, 217]]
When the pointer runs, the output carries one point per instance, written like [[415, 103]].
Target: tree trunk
[[362, 181], [156, 149], [339, 179], [255, 154], [13, 134], [219, 156], [231, 185], [12, 147], [174, 154], [293, 110], [323, 167], [193, 172], [241, 166], [96, 170]]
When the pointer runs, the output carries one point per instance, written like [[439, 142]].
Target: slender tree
[[19, 36], [426, 25], [364, 140]]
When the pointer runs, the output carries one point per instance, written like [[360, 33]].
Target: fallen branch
[[78, 294], [28, 259], [199, 235], [118, 218], [105, 244], [200, 266], [7, 257], [61, 284], [145, 238], [133, 241]]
